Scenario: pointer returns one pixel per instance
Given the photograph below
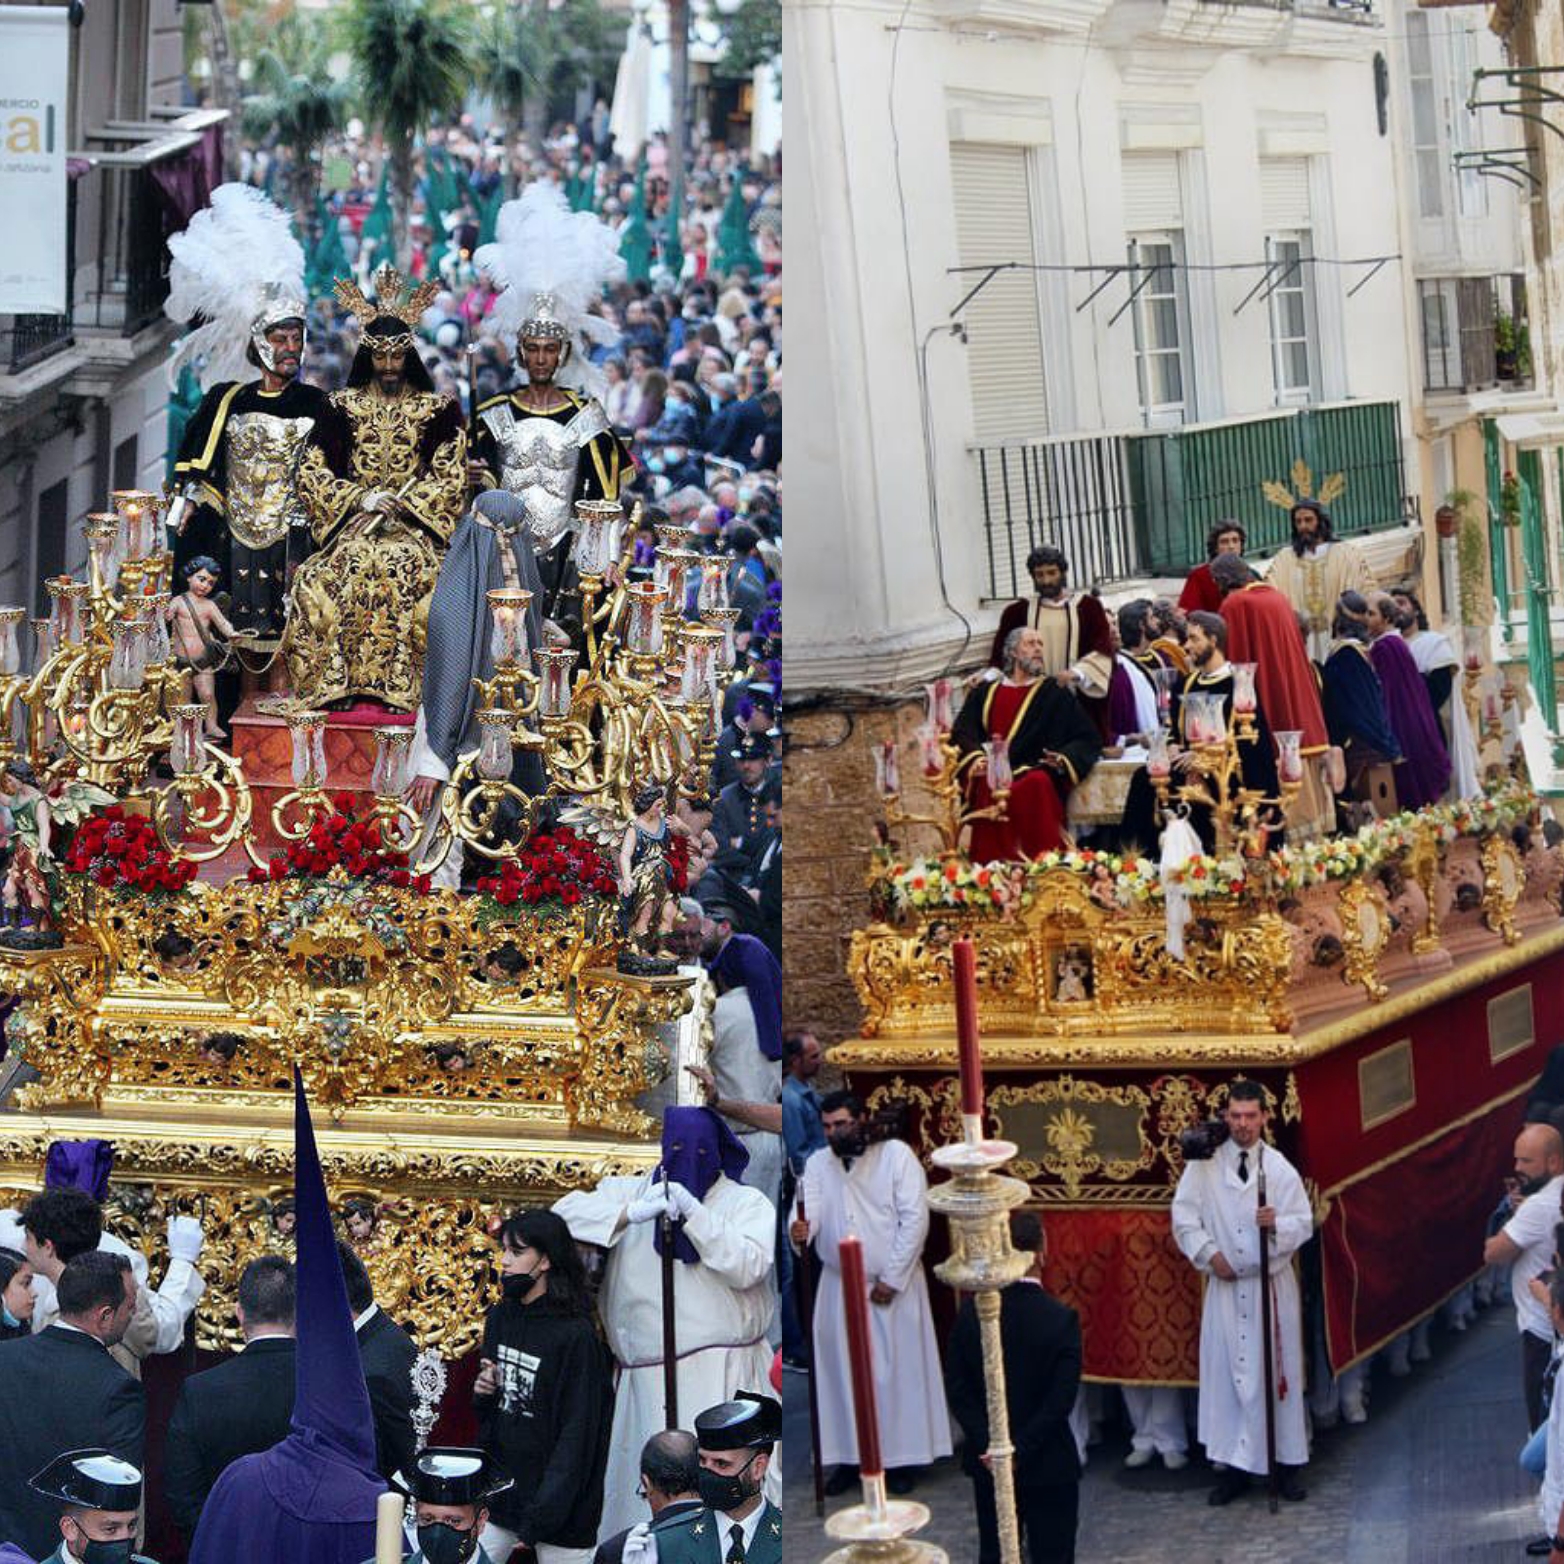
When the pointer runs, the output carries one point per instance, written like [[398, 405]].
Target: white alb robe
[[1213, 1210], [1431, 650], [724, 1306], [744, 1074], [882, 1201]]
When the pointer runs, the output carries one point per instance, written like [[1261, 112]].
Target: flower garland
[[555, 871], [348, 840], [1128, 881], [117, 848]]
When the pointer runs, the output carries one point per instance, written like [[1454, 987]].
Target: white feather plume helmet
[[237, 258], [542, 247]]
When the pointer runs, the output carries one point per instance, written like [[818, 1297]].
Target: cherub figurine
[[201, 633], [645, 874]]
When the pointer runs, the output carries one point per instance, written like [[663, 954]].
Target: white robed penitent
[[883, 1202], [1214, 1210], [1431, 650], [724, 1305]]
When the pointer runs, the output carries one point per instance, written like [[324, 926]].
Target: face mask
[[517, 1285], [673, 455], [654, 463], [90, 1551], [725, 1493], [442, 1544]]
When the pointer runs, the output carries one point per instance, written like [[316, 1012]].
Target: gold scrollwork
[[1504, 878], [1365, 931]]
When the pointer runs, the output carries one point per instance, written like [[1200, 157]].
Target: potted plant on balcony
[[1512, 348]]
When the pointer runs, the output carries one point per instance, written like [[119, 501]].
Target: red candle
[[855, 1289], [967, 1044]]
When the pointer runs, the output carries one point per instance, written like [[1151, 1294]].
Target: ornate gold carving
[[1070, 1152], [1365, 931], [380, 997], [1504, 877], [431, 1253], [1422, 862], [1292, 1103]]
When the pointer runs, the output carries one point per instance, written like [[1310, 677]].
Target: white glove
[[185, 1238], [649, 1207], [681, 1203]]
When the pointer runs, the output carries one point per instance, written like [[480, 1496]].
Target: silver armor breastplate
[[263, 459], [539, 458]]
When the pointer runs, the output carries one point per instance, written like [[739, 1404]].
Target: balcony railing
[[1140, 504]]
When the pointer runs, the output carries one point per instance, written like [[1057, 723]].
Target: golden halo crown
[[395, 298]]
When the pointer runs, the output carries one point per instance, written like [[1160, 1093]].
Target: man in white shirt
[[1525, 1244]]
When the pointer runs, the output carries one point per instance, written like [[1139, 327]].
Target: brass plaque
[[1510, 1024], [1385, 1083]]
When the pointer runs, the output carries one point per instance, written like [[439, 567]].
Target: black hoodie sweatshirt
[[549, 1422]]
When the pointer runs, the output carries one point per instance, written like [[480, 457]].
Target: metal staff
[[1267, 1313], [670, 1348], [804, 1281]]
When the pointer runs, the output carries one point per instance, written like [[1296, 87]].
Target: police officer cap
[[753, 746], [93, 1479], [749, 1421], [452, 1474], [763, 696]]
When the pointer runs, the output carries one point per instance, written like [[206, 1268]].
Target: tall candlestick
[[967, 1043], [855, 1289]]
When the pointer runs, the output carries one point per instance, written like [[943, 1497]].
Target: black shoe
[[901, 1480], [1290, 1486], [1229, 1485], [1539, 1547], [841, 1479]]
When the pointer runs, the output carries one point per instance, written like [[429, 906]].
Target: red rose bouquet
[[116, 848], [349, 840], [554, 871]]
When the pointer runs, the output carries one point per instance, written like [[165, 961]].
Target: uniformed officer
[[449, 1488], [100, 1498], [737, 1524], [740, 815]]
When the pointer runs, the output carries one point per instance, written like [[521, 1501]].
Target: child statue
[[201, 634]]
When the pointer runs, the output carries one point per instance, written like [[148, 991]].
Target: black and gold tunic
[[240, 456], [360, 606]]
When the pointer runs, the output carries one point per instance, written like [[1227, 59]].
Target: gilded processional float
[[182, 937], [1396, 992]]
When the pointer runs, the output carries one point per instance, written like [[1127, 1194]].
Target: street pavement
[[1431, 1478]]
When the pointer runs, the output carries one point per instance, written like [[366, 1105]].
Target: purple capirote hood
[[311, 1498]]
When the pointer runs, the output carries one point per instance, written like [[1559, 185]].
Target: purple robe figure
[[745, 962], [311, 1498], [1424, 771]]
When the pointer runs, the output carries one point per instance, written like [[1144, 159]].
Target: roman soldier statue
[[548, 441], [238, 271]]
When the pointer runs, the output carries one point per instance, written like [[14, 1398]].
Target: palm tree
[[414, 64], [300, 106], [535, 52]]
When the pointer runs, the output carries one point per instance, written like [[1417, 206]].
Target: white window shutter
[[1004, 348], [1284, 194], [1151, 192]]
